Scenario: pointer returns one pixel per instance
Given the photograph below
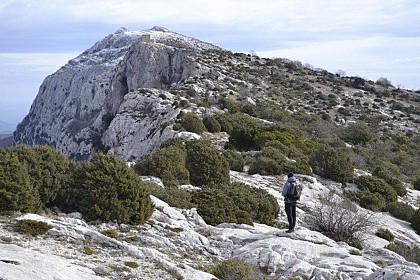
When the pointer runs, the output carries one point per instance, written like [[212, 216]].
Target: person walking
[[290, 203]]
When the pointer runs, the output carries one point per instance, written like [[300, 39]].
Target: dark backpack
[[295, 191]]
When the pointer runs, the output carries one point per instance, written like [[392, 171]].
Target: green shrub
[[192, 123], [236, 203], [32, 227], [298, 163], [212, 124], [235, 269], [355, 252], [396, 184], [377, 185], [410, 253], [270, 161], [16, 190], [265, 166], [174, 229], [371, 201], [262, 206], [244, 132], [415, 224], [87, 250], [216, 207], [235, 159], [401, 210], [167, 163], [49, 170], [231, 105], [385, 234], [173, 142], [416, 184], [110, 233], [225, 123], [356, 133], [108, 190], [174, 196], [333, 163], [205, 164], [131, 264]]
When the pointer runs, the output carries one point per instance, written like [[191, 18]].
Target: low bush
[[265, 166], [339, 218], [48, 169], [110, 233], [174, 196], [377, 185], [17, 193], [410, 253], [235, 159], [235, 203], [262, 206], [235, 269], [244, 131], [205, 164], [385, 234], [396, 184], [107, 190], [401, 210], [371, 201], [32, 227], [131, 264], [87, 250], [415, 224], [216, 207], [212, 124], [356, 133], [333, 163], [192, 123], [167, 163], [416, 184]]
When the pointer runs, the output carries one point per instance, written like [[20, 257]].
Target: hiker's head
[[290, 174]]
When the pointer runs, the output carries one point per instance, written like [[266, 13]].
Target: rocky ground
[[178, 244]]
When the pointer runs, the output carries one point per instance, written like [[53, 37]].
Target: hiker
[[290, 203]]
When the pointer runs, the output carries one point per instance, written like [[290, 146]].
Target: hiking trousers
[[290, 208]]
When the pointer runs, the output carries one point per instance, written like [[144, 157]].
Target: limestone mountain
[[93, 101], [123, 95]]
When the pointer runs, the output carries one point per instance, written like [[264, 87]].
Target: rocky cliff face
[[95, 101]]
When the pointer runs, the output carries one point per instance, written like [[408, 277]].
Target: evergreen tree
[[108, 190], [333, 163], [205, 164], [16, 190], [49, 170]]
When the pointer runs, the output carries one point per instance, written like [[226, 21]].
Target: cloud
[[284, 16], [395, 58]]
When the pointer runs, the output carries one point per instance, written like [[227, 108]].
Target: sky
[[366, 38]]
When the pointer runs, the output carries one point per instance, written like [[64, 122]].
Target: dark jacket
[[286, 188]]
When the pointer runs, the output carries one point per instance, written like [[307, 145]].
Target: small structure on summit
[[147, 38]]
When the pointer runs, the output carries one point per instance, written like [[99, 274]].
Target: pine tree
[[16, 190]]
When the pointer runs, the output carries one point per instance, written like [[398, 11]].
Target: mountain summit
[[94, 102]]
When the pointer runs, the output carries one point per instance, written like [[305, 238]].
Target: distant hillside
[[6, 128], [6, 140]]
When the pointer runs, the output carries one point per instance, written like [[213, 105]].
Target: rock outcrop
[[96, 102]]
